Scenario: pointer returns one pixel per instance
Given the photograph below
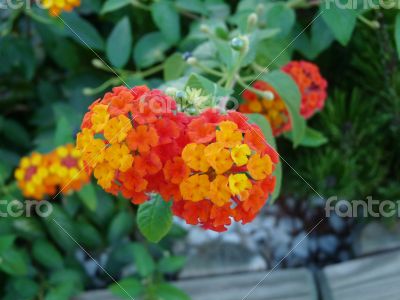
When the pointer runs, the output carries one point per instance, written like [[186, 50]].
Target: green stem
[[102, 87], [256, 67], [246, 86], [151, 71], [208, 70], [370, 23]]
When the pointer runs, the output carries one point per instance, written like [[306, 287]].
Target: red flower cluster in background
[[311, 84], [312, 87], [213, 167]]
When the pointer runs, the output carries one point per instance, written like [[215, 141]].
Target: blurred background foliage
[[52, 68]]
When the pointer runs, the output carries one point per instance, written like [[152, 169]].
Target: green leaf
[[196, 6], [340, 20], [167, 291], [154, 218], [171, 264], [6, 242], [13, 262], [143, 261], [82, 31], [127, 288], [111, 5], [63, 133], [47, 255], [290, 94], [63, 291], [265, 127], [321, 38], [312, 138], [61, 228], [280, 16], [174, 67], [120, 226], [28, 228], [270, 55], [89, 236], [119, 43], [150, 49], [88, 196], [166, 17], [397, 33], [209, 87], [15, 132], [21, 289], [66, 275]]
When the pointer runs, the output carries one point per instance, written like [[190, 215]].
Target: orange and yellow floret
[[312, 87], [56, 7], [225, 171], [41, 175]]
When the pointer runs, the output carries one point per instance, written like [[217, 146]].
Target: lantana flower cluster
[[40, 175], [312, 87], [126, 139], [55, 7], [227, 171], [214, 167]]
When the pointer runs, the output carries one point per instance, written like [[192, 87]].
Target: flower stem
[[246, 86]]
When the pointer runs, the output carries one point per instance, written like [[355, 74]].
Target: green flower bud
[[237, 43]]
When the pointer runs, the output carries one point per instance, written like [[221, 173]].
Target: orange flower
[[142, 138], [175, 170], [201, 132]]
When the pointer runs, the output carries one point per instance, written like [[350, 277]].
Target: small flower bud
[[260, 9], [269, 95], [252, 20], [191, 61], [237, 43], [97, 63], [204, 28]]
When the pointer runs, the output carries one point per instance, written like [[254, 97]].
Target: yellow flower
[[255, 106], [228, 134], [117, 129], [119, 157], [240, 154], [84, 138], [94, 152], [218, 157], [195, 188], [219, 191], [239, 183], [259, 167], [104, 174], [193, 156], [99, 117], [62, 151]]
